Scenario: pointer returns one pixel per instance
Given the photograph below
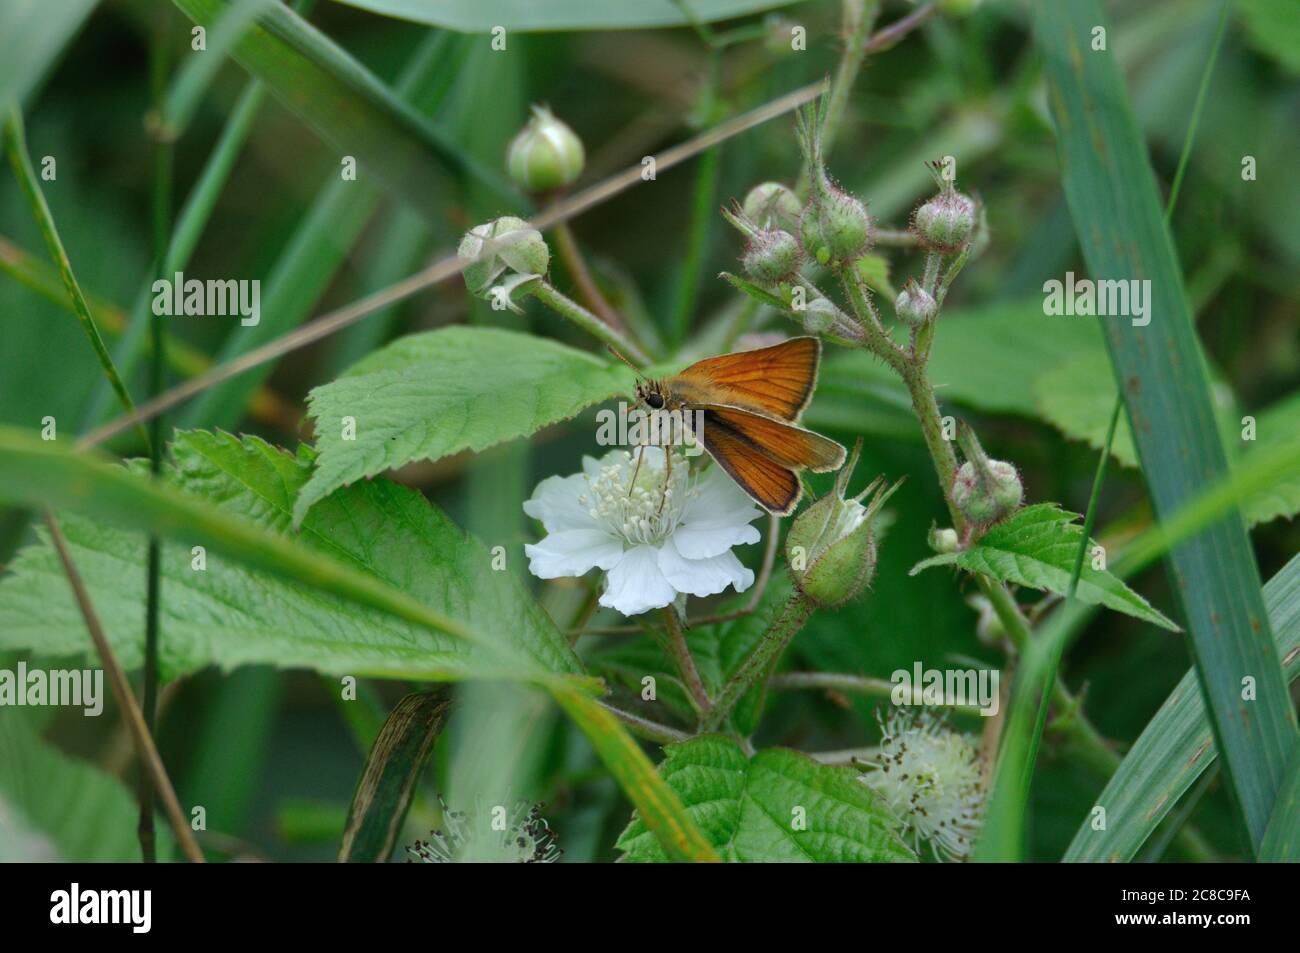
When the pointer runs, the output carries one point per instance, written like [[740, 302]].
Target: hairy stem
[[680, 653], [780, 632], [566, 307]]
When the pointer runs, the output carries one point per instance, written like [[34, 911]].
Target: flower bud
[[835, 226], [943, 540], [546, 154], [504, 244], [914, 305], [820, 315], [944, 222], [984, 490], [831, 546], [772, 205], [773, 255]]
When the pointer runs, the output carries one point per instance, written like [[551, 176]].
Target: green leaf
[[1281, 843], [372, 546], [348, 106], [1078, 397], [1036, 547], [429, 395], [874, 270], [392, 770], [759, 294], [379, 541], [1117, 215], [481, 16], [780, 806], [1177, 745], [86, 815], [1278, 425], [32, 35]]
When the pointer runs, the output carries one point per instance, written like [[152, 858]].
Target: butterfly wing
[[775, 381], [775, 487], [784, 443]]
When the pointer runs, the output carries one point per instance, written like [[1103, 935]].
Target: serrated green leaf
[[230, 615], [779, 806], [481, 16], [1036, 547], [1177, 746], [429, 395], [82, 813], [1276, 426]]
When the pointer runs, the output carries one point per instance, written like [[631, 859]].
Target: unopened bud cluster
[[546, 155], [985, 490], [945, 222]]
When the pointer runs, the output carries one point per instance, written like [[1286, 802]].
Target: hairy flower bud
[[773, 255], [914, 305], [944, 222], [504, 244], [546, 154], [835, 226], [984, 490], [773, 205], [820, 315], [831, 546]]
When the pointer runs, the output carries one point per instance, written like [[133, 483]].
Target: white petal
[[704, 577], [636, 585], [572, 552], [556, 503], [716, 518]]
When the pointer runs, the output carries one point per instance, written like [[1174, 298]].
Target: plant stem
[[571, 254], [857, 20], [782, 630], [856, 684], [566, 307], [150, 761], [884, 39], [680, 653], [645, 728]]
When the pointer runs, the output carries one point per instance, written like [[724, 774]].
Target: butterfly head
[[650, 393]]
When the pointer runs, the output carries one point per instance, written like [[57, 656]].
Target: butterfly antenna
[[618, 354]]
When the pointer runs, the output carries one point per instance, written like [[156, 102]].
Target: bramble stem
[[782, 630], [680, 653], [566, 307]]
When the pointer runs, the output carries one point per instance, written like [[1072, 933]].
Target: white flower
[[930, 777], [474, 837], [654, 542]]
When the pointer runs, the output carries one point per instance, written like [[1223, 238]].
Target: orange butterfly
[[744, 407]]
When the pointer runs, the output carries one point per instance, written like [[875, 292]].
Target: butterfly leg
[[668, 477], [640, 455]]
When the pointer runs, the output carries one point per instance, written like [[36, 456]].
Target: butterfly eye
[[656, 401]]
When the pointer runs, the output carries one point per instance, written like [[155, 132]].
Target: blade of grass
[[1111, 192], [15, 145], [32, 35], [1281, 843], [1177, 746], [182, 357], [349, 107], [387, 783], [140, 733]]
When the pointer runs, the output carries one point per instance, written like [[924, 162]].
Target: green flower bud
[[944, 222], [772, 205], [835, 226], [546, 154], [505, 244], [943, 540], [831, 546], [914, 305], [820, 315], [773, 256], [986, 497]]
